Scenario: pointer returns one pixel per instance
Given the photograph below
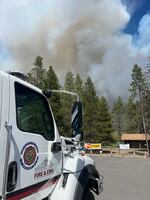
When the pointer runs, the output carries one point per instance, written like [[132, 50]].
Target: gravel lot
[[124, 178]]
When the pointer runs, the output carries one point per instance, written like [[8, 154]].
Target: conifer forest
[[103, 121]]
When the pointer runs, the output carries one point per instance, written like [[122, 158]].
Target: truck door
[[34, 134]]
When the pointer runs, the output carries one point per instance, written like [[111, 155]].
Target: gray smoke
[[83, 36]]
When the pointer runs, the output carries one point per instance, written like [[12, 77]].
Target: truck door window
[[33, 113]]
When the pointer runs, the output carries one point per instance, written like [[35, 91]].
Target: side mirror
[[56, 147], [76, 120]]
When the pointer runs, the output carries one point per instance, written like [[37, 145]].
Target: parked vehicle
[[36, 162]]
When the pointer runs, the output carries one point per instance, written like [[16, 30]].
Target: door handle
[[12, 176]]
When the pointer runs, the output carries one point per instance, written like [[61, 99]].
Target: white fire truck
[[35, 161]]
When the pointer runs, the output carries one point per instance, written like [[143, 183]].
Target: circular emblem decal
[[29, 155]]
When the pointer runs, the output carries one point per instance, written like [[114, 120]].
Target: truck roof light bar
[[20, 75]]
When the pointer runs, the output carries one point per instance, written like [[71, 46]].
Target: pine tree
[[78, 86], [69, 82], [37, 74], [118, 115], [139, 89], [52, 82], [51, 79], [138, 86], [90, 109], [105, 122], [131, 117], [147, 110], [67, 102]]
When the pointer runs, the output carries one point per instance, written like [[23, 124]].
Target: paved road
[[124, 178]]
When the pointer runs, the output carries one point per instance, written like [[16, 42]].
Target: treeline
[[100, 122], [133, 116]]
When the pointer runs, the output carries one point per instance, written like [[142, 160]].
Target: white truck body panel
[[74, 165], [4, 116]]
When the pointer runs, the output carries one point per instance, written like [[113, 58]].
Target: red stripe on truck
[[19, 194]]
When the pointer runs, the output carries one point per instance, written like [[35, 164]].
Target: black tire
[[88, 195]]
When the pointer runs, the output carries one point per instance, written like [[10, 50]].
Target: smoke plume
[[83, 36]]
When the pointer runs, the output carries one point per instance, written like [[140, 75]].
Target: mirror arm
[[48, 93], [66, 92]]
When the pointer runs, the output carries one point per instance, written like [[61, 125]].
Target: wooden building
[[136, 140]]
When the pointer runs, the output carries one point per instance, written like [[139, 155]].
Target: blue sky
[[141, 7], [100, 38]]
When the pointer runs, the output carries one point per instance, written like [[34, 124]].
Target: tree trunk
[[143, 120]]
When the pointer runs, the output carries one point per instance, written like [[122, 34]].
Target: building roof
[[134, 136]]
